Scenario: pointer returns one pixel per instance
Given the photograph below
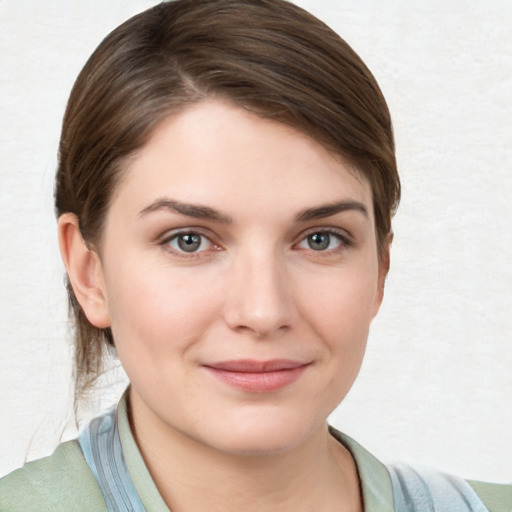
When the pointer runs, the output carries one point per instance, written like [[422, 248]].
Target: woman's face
[[240, 276]]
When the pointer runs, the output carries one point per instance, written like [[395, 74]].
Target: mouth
[[257, 376]]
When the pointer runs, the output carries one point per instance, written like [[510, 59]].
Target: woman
[[225, 190]]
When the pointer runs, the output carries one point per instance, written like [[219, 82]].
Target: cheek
[[157, 311], [340, 313], [343, 302]]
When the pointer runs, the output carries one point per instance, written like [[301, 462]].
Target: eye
[[322, 241], [189, 242]]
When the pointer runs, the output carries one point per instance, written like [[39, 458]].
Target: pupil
[[189, 243], [319, 241]]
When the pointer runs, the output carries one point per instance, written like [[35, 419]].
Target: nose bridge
[[260, 292]]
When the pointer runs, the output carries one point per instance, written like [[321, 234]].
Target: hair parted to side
[[267, 56]]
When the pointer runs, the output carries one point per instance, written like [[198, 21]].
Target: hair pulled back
[[267, 56]]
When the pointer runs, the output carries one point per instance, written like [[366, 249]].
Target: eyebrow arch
[[326, 210], [196, 211]]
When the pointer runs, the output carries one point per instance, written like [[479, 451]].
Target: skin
[[259, 286]]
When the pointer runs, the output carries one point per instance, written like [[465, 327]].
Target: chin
[[267, 437]]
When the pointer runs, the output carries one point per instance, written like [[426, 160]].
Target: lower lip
[[259, 382]]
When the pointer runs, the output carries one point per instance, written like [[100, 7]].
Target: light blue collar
[[101, 446]]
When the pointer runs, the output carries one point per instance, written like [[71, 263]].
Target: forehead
[[214, 152]]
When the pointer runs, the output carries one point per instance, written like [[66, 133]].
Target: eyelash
[[175, 236], [344, 242]]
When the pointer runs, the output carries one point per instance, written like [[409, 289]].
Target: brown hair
[[267, 56]]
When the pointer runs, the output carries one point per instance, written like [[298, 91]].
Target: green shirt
[[63, 481]]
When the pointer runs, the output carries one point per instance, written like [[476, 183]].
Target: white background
[[436, 385]]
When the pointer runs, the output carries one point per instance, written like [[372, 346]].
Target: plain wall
[[436, 385]]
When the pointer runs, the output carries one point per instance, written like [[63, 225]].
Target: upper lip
[[252, 366]]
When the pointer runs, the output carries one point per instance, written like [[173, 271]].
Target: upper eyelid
[[342, 233], [172, 233]]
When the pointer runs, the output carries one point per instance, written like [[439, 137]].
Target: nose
[[259, 299]]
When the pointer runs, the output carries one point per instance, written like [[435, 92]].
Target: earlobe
[[84, 270]]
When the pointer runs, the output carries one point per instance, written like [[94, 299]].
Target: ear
[[84, 270], [384, 261]]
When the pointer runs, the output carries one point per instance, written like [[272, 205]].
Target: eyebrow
[[206, 213], [323, 211], [196, 211]]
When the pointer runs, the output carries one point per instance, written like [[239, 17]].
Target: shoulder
[[60, 482], [439, 491], [496, 497], [401, 487]]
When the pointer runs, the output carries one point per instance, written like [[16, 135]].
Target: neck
[[319, 474]]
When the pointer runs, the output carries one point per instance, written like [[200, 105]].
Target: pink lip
[[257, 376]]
